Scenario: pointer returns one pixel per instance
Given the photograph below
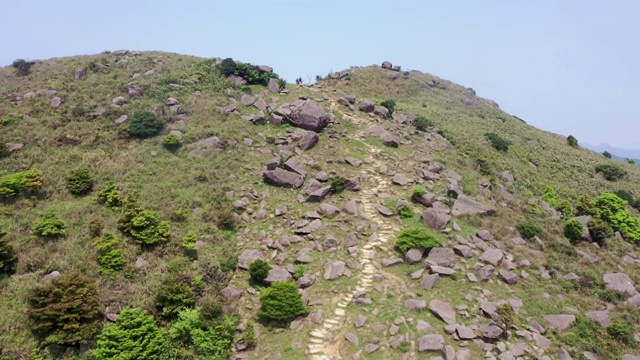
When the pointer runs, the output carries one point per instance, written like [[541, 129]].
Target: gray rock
[[140, 263], [52, 275], [441, 257], [486, 272], [619, 282], [455, 190], [360, 321], [278, 274], [414, 255], [508, 277], [367, 106], [283, 178], [425, 199], [465, 333], [56, 101], [391, 262], [369, 348], [260, 104], [231, 293], [602, 317], [353, 162], [316, 316], [434, 342], [329, 210], [442, 270], [492, 256], [389, 140], [491, 331], [428, 282], [330, 241], [272, 85], [352, 338], [350, 207], [387, 65], [308, 141], [384, 210], [333, 269], [13, 147], [415, 305], [122, 120], [443, 310], [463, 250], [630, 357], [563, 354], [247, 100], [399, 179], [319, 194], [560, 322], [309, 116], [306, 281], [435, 218], [465, 206], [247, 257], [294, 164]]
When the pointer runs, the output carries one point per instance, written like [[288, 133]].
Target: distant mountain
[[618, 152]]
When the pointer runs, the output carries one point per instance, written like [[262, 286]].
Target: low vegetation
[[416, 237]]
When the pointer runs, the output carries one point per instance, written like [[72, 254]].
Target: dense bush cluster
[[529, 230], [23, 67], [611, 172], [80, 181], [64, 311], [144, 124], [249, 72], [8, 258], [209, 340], [110, 256], [49, 225], [422, 124], [110, 195], [612, 209], [573, 230], [144, 226], [572, 141], [24, 182], [416, 237], [174, 294], [282, 302], [497, 142], [134, 335]]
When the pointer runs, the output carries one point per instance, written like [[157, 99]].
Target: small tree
[[8, 258], [390, 105], [171, 142], [599, 230], [134, 335], [228, 67], [607, 154], [416, 237], [80, 181], [259, 270], [64, 311], [173, 295], [572, 141], [422, 124], [507, 317], [50, 225], [110, 256], [282, 302], [573, 230], [23, 67], [144, 124]]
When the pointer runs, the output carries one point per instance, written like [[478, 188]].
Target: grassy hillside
[[217, 193]]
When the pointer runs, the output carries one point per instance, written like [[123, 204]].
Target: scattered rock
[[433, 342], [491, 331], [231, 293], [428, 282], [465, 206], [602, 317], [436, 219], [391, 262], [415, 305], [333, 269], [52, 275], [399, 179], [560, 322], [352, 338], [441, 257], [308, 141], [563, 354], [283, 178], [367, 106], [414, 255], [278, 274], [384, 211], [360, 321], [443, 310], [350, 207], [247, 257], [508, 277], [619, 282], [353, 162], [492, 256]]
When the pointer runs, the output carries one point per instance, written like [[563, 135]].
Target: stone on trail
[[384, 210]]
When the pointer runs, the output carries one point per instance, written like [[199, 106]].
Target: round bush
[[416, 237], [259, 270], [600, 230], [529, 230], [144, 124], [8, 258], [228, 67], [173, 296], [573, 230], [80, 181], [282, 302], [50, 225]]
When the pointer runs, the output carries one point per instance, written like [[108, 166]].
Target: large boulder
[[433, 342], [435, 218], [333, 269], [308, 141], [619, 282], [560, 322], [278, 274], [387, 65], [367, 106], [309, 116], [283, 178], [443, 310], [441, 257], [465, 206]]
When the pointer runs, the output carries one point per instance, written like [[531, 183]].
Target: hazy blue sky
[[567, 66]]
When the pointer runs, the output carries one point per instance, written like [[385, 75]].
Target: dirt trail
[[325, 340]]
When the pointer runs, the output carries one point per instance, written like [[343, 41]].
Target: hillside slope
[[194, 203]]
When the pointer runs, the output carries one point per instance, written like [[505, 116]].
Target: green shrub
[[422, 124], [613, 210], [212, 342], [300, 269], [573, 230], [416, 237], [144, 124], [172, 142], [529, 230], [621, 332], [144, 226], [4, 149], [23, 67], [229, 264], [611, 172], [227, 67], [258, 270], [607, 154], [406, 212], [281, 302], [248, 337], [211, 310], [625, 195], [631, 161], [134, 335], [110, 256], [390, 105], [173, 295], [507, 317], [599, 230], [282, 84], [497, 142], [50, 225], [189, 241], [110, 195], [550, 196], [8, 258], [80, 181], [418, 192], [24, 182], [338, 184], [572, 141], [65, 311], [611, 296], [564, 206], [225, 219]]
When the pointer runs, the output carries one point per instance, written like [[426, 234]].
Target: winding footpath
[[325, 340]]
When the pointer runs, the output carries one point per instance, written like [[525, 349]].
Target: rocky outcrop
[[465, 206], [283, 178]]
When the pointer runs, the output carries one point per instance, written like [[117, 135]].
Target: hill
[[618, 153], [415, 218]]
